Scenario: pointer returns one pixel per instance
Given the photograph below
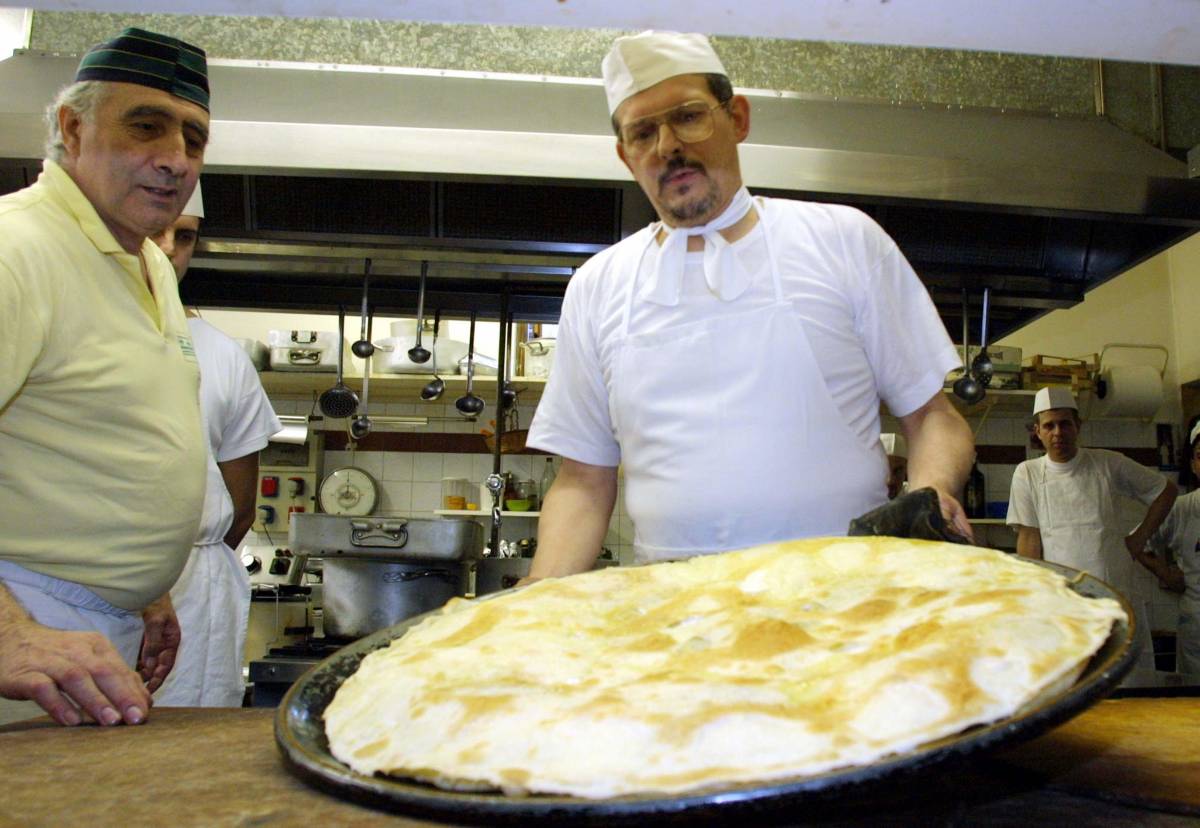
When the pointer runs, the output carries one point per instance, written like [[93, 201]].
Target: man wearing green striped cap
[[102, 455]]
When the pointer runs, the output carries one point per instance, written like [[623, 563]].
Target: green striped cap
[[149, 59]]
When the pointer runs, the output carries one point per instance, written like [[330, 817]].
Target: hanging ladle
[[339, 401], [468, 403], [508, 394], [437, 386], [360, 426], [966, 387], [363, 347], [982, 366], [416, 353]]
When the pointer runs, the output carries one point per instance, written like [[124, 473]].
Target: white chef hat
[[894, 444], [1195, 433], [1053, 396], [195, 205], [637, 62]]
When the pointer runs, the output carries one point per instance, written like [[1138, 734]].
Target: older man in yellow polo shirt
[[102, 456]]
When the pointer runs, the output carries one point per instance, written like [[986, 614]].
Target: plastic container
[[527, 490], [539, 357], [454, 493]]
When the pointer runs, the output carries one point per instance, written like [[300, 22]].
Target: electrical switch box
[[288, 478]]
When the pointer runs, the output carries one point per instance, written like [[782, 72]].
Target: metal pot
[[363, 595]]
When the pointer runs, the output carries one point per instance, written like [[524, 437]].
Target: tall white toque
[[195, 205], [637, 62]]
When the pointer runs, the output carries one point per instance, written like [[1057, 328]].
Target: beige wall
[[1183, 261]]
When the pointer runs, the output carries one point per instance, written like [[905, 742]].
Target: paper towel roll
[[1130, 391], [295, 431]]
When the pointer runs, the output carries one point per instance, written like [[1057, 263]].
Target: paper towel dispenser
[[1133, 389]]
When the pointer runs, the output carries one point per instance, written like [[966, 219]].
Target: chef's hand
[[160, 642], [65, 672], [955, 515], [917, 514]]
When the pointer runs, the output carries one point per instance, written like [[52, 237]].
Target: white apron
[[212, 601], [1081, 531], [1189, 638], [729, 436]]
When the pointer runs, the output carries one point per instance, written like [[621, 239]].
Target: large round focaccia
[[774, 662]]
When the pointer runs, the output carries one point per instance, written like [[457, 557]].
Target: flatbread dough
[[776, 662]]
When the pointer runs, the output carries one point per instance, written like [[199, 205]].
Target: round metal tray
[[300, 734]]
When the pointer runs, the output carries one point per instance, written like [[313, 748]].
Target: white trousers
[[63, 605], [212, 600]]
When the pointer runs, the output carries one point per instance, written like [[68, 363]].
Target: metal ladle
[[363, 347], [360, 426], [468, 403], [982, 366], [966, 387], [416, 353], [339, 401], [437, 386]]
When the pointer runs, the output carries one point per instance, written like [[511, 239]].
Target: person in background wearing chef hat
[[732, 356], [897, 458], [1180, 536], [212, 595], [1063, 506], [101, 448]]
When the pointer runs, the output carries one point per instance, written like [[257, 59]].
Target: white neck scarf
[[722, 271]]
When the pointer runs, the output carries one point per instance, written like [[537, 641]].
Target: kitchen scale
[[348, 491]]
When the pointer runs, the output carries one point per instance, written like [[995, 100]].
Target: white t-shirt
[[873, 329], [238, 418], [1180, 533], [1124, 476]]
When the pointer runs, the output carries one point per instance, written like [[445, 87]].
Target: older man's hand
[[160, 643], [69, 672]]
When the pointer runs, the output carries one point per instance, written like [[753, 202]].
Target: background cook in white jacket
[[733, 356], [1064, 506], [212, 595], [1180, 533]]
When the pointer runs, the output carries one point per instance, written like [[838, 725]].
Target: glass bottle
[[975, 494]]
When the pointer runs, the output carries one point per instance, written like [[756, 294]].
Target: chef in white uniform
[[212, 595], [1180, 533], [733, 355], [1063, 506]]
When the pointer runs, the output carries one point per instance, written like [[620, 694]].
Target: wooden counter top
[[1129, 761]]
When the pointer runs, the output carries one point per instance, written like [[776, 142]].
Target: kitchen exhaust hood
[[513, 180]]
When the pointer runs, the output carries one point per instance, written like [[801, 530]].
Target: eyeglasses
[[691, 123]]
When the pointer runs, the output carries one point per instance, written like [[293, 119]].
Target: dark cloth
[[913, 515], [149, 59]]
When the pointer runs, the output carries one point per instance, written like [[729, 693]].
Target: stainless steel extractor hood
[[1037, 207]]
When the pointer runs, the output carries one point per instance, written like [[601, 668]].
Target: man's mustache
[[674, 166]]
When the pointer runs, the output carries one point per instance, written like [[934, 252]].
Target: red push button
[[270, 486]]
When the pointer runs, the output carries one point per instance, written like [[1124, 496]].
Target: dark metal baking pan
[[300, 734]]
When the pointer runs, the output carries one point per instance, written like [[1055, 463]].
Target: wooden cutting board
[[1139, 751]]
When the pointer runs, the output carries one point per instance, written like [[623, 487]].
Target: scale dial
[[348, 491]]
